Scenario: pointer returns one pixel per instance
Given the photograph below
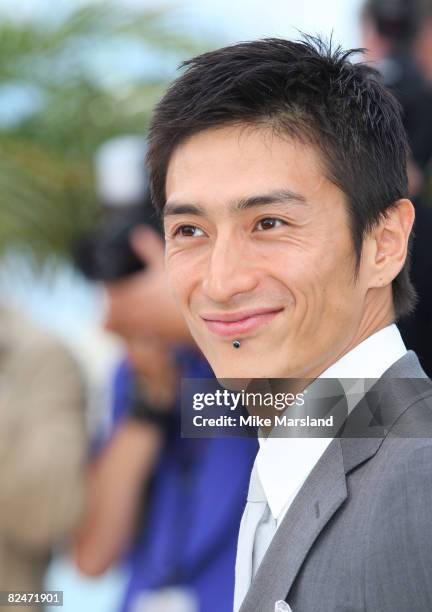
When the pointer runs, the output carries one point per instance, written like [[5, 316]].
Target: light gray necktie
[[257, 529]]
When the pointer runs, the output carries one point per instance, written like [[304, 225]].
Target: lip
[[238, 323]]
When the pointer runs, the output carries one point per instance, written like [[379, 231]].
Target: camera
[[105, 253]]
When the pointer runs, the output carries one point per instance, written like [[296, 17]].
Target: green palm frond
[[46, 183]]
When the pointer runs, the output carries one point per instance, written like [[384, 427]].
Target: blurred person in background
[[168, 507], [389, 30], [42, 445], [423, 42], [395, 34]]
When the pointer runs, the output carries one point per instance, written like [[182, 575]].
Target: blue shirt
[[193, 510]]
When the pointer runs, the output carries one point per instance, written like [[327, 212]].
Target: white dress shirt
[[283, 464]]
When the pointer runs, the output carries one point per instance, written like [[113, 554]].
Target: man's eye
[[188, 231], [269, 223]]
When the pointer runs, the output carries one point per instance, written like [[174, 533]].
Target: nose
[[230, 270]]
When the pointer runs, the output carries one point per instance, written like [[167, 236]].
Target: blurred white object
[[101, 594], [170, 599], [121, 176], [282, 606]]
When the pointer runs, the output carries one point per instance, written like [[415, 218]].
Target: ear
[[389, 243]]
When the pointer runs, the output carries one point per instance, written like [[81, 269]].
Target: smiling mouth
[[238, 324]]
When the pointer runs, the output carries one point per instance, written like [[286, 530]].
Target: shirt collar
[[284, 463], [371, 358]]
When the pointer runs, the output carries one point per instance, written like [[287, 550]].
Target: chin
[[254, 359], [236, 368]]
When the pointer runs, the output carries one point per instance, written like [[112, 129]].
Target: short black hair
[[309, 91]]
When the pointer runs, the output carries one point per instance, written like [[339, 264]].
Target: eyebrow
[[279, 196]]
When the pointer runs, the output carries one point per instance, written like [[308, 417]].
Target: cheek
[[183, 272], [177, 282], [321, 279]]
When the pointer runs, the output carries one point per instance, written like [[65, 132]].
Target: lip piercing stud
[[236, 343]]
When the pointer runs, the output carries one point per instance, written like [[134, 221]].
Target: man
[[146, 480], [42, 451], [151, 491], [280, 171]]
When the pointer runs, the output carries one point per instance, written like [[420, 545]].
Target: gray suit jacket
[[358, 536]]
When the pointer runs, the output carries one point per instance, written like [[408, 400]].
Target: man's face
[[258, 249]]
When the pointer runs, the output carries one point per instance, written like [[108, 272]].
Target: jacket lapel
[[319, 498]]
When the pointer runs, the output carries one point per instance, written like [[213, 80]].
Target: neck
[[378, 314]]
